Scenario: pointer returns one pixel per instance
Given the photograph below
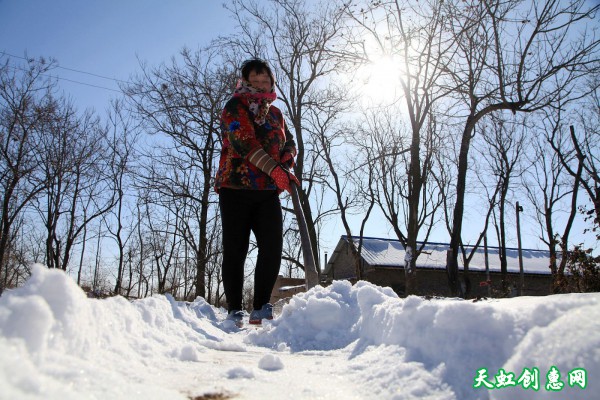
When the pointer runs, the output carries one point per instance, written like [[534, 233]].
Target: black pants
[[243, 211]]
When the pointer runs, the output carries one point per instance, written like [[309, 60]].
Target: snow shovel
[[310, 267]]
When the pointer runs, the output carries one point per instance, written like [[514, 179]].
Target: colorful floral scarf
[[259, 101]]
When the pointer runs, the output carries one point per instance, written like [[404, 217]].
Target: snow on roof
[[390, 253]]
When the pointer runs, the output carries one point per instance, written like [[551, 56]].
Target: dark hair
[[257, 65]]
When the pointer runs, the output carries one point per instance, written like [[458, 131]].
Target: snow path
[[256, 372]]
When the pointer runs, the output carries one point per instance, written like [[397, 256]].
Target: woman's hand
[[283, 178], [287, 160]]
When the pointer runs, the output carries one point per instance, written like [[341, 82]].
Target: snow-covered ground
[[339, 342]]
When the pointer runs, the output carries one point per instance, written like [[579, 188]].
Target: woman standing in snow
[[249, 179]]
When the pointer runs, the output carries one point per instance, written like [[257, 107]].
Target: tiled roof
[[390, 253]]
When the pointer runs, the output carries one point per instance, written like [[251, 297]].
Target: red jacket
[[241, 137]]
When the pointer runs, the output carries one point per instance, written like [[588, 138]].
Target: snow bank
[[450, 338], [55, 343], [51, 333]]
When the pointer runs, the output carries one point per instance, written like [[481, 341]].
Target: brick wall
[[435, 282], [343, 267]]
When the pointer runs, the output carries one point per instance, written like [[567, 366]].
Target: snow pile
[[55, 341], [450, 338], [343, 341]]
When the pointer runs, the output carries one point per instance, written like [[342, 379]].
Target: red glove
[[287, 159], [283, 178]]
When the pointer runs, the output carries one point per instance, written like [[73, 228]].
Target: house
[[382, 263]]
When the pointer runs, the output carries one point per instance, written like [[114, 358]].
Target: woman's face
[[260, 81]]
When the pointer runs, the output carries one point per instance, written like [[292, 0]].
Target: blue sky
[[105, 37]]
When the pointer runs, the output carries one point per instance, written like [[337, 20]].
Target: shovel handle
[[310, 267]]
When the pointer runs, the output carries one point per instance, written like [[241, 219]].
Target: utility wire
[[78, 71], [99, 76], [68, 80], [87, 84]]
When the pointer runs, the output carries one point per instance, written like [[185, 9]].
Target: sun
[[380, 80]]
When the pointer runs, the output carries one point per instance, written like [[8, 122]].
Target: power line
[[78, 71], [87, 84], [92, 74], [68, 80], [72, 69]]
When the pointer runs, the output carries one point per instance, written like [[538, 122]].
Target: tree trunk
[[455, 236], [415, 184]]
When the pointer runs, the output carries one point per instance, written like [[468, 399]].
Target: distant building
[[383, 264], [287, 287]]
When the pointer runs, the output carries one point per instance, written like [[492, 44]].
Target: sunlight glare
[[381, 79]]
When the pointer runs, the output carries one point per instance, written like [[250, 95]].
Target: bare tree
[[444, 174], [577, 153], [162, 239], [183, 101], [24, 93], [552, 190], [504, 142], [517, 56], [413, 36], [143, 279], [389, 169], [587, 148], [78, 187], [214, 279], [344, 183], [121, 144]]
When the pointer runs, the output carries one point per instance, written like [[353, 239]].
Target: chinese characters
[[530, 379]]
